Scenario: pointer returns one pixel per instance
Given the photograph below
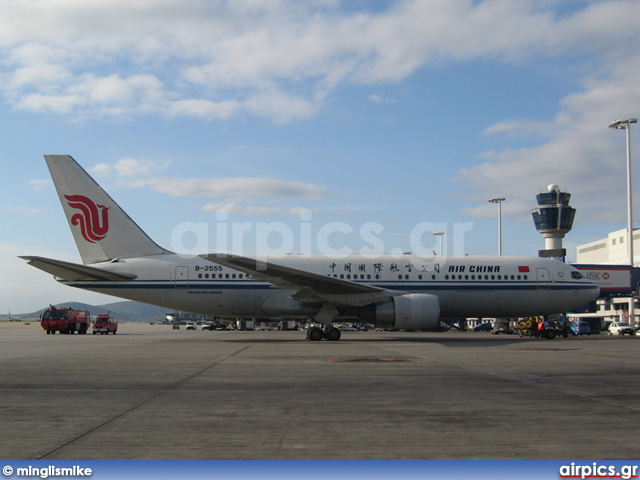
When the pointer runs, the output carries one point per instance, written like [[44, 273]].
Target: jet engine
[[414, 311]]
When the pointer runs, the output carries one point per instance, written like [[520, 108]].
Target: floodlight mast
[[625, 124], [499, 201]]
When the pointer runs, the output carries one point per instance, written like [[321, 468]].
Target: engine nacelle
[[414, 311]]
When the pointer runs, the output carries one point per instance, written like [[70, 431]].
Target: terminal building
[[606, 261], [611, 250]]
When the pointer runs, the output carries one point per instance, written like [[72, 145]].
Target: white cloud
[[242, 206], [101, 170], [580, 154], [380, 99], [49, 103], [129, 167], [38, 184], [219, 187], [279, 106], [276, 60], [204, 109], [237, 207]]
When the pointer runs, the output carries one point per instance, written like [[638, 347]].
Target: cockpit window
[[576, 275]]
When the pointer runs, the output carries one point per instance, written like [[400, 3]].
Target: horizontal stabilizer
[[73, 272]]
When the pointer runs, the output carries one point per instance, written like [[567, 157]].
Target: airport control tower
[[553, 219]]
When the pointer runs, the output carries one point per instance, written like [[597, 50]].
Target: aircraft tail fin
[[101, 229]]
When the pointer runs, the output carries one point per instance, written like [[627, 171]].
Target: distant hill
[[126, 311]]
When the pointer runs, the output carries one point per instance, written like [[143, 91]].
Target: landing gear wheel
[[314, 334], [332, 334]]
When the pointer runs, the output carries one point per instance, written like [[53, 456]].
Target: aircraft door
[[182, 277], [543, 278]]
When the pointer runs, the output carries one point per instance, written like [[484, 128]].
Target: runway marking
[[153, 397], [369, 360]]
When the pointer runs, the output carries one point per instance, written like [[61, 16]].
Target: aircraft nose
[[593, 292]]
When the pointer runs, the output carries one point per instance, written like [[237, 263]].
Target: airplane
[[409, 292]]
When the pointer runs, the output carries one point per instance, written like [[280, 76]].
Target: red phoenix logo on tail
[[94, 224]]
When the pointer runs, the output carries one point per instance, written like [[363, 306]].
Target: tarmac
[[151, 392]]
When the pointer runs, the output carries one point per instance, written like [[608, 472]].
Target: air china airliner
[[410, 292]]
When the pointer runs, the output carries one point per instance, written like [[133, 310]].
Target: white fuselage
[[466, 286]]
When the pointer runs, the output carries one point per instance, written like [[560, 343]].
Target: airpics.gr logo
[[94, 224]]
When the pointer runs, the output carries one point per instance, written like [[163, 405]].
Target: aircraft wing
[[289, 278], [73, 272]]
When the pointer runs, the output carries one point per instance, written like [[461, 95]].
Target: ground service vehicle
[[580, 327], [620, 328], [245, 325], [549, 329], [64, 320], [105, 324], [483, 327], [502, 326]]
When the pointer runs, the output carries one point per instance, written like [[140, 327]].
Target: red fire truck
[[105, 324], [64, 320]]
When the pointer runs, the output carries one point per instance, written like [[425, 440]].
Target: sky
[[204, 119]]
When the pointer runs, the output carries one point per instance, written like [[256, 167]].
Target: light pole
[[499, 201], [626, 125], [441, 235]]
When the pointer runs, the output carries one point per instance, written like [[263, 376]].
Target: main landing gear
[[328, 331]]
